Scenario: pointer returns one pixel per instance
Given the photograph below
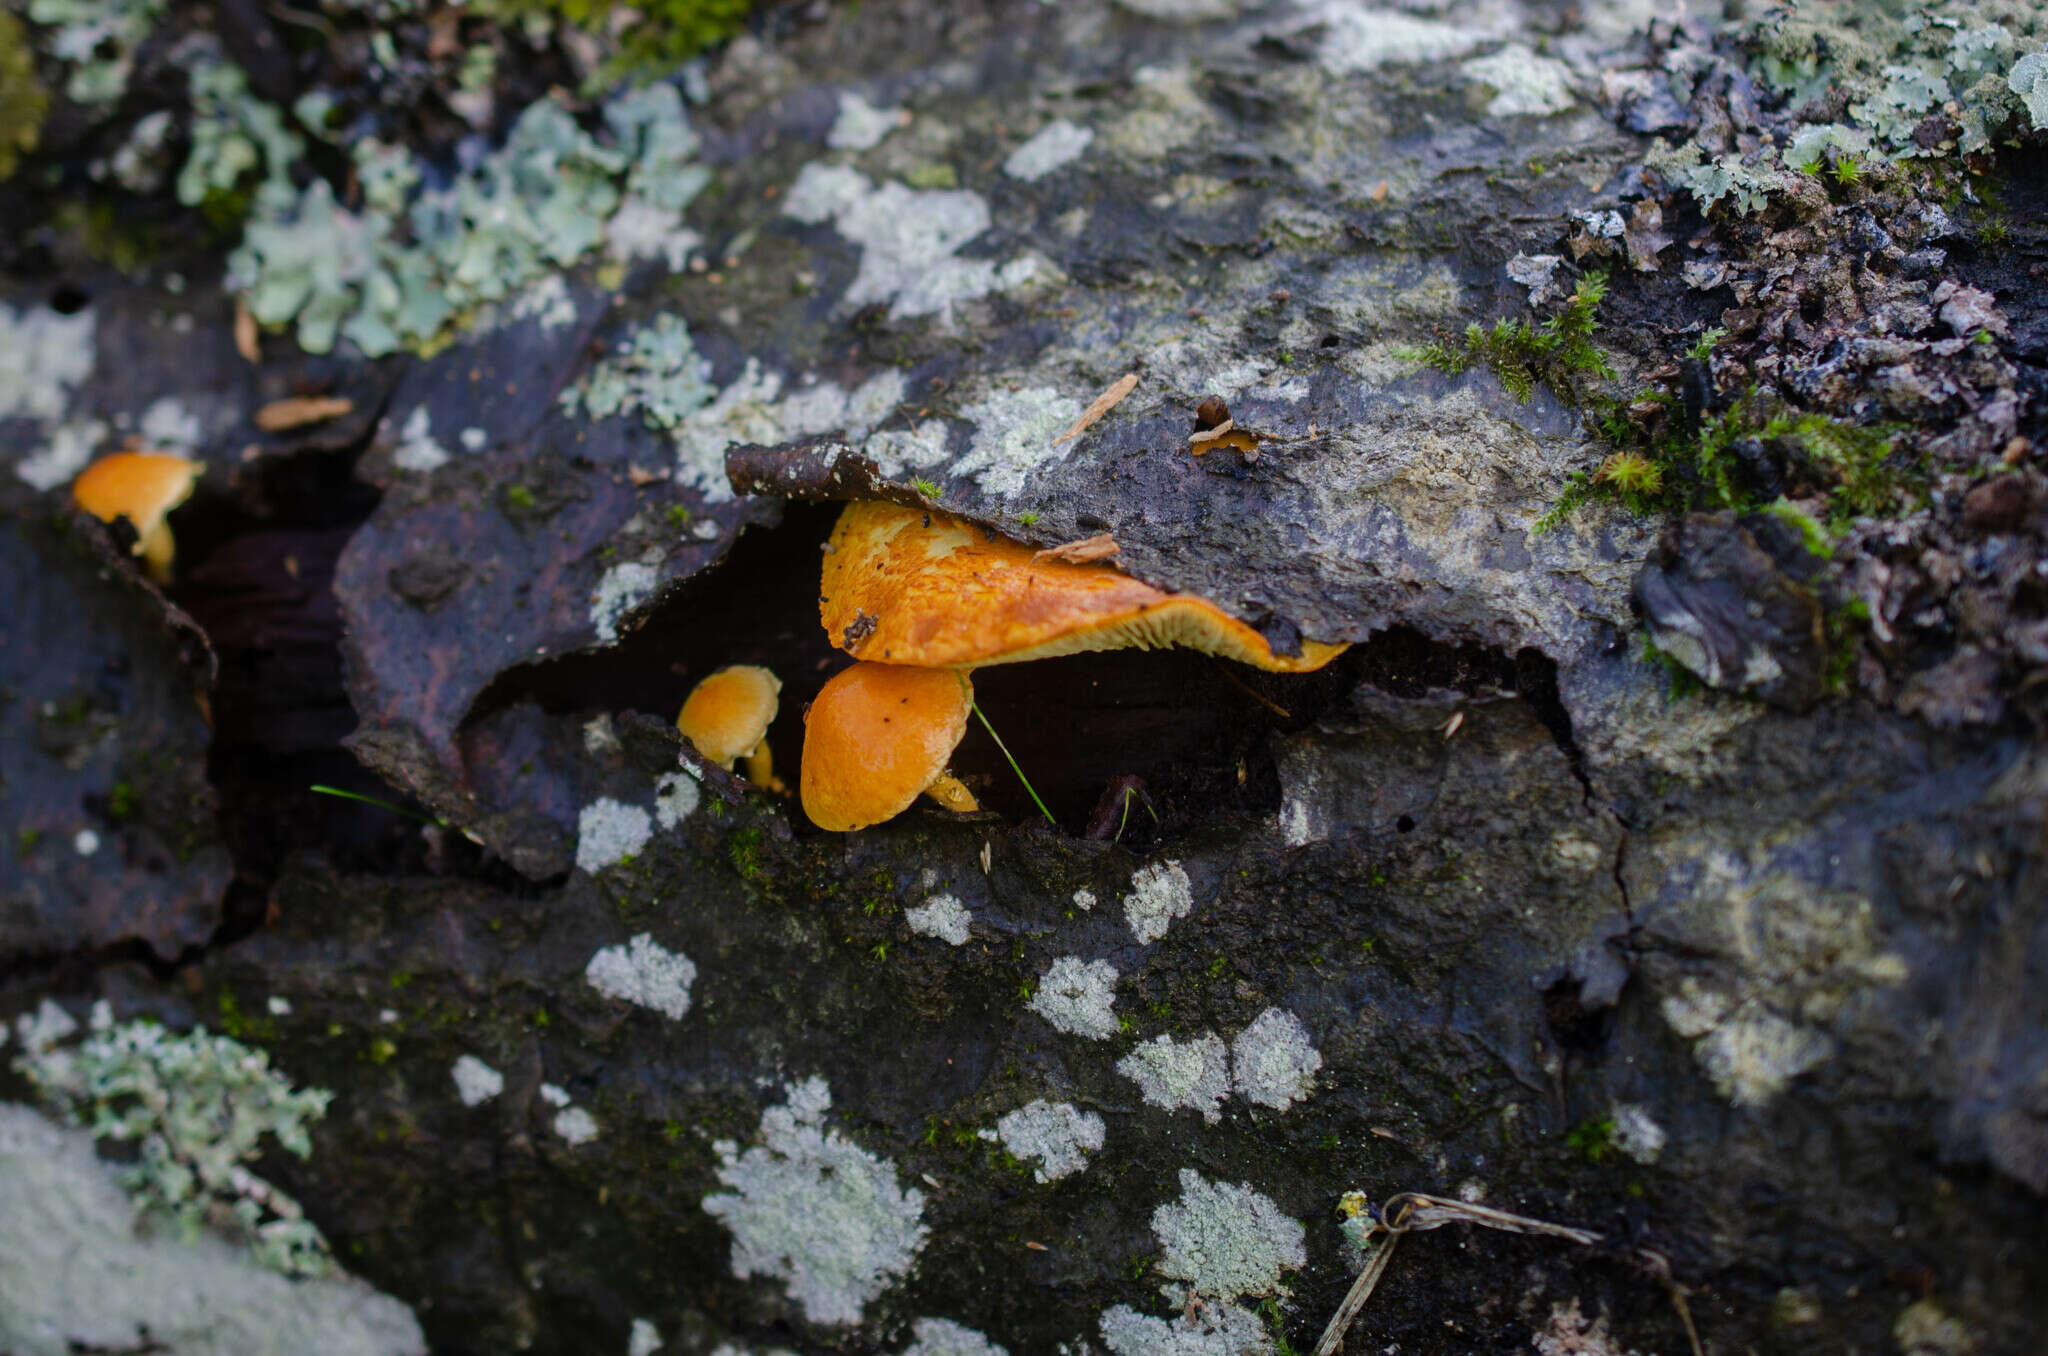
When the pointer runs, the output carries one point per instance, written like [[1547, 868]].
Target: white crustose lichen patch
[[644, 972], [1159, 894], [48, 355], [1226, 1241], [944, 1337], [1057, 143], [676, 797], [809, 1207], [417, 448], [1058, 1134], [475, 1081], [609, 831], [644, 1339], [1272, 1062], [624, 587], [1200, 1330], [861, 126], [941, 916], [1523, 83], [576, 1126], [909, 241], [1181, 1074], [1076, 996], [1014, 433], [1637, 1134]]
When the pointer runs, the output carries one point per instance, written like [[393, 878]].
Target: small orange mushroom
[[877, 737], [142, 487], [727, 717], [910, 586]]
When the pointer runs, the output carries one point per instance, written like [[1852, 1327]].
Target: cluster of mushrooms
[[921, 599]]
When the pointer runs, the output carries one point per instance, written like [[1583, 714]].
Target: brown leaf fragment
[[1101, 546], [246, 342], [640, 476], [1211, 412], [1645, 236], [298, 411], [1101, 405]]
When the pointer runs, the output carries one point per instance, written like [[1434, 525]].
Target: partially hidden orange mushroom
[[913, 586], [142, 487], [877, 737], [727, 716]]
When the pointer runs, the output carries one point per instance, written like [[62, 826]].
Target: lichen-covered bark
[[1498, 905]]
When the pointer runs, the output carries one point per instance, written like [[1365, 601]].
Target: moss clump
[[1749, 457], [1592, 1140], [23, 100], [1559, 352], [665, 34], [746, 855]]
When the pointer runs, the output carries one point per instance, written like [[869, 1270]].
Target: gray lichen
[[814, 1210]]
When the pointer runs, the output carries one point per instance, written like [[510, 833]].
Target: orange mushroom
[[727, 716], [142, 487], [911, 586], [877, 737]]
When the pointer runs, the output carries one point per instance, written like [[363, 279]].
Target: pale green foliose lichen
[[196, 1107], [657, 372], [386, 278], [98, 39], [234, 134]]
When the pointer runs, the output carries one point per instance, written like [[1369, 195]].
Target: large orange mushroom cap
[[911, 586], [142, 487], [877, 737]]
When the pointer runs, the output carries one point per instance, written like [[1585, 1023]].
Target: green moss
[[1812, 533], [1558, 353], [1592, 1140], [519, 497], [658, 35], [23, 100], [380, 1050], [1855, 465], [239, 1025], [745, 852], [928, 488], [933, 176]]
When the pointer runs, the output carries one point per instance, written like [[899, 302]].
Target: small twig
[[1102, 405], [1013, 766], [1361, 1290], [1411, 1211]]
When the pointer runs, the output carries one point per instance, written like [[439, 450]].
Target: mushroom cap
[[876, 736], [729, 713], [903, 586], [142, 487]]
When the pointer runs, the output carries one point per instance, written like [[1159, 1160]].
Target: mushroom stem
[[950, 792], [158, 552], [761, 769]]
